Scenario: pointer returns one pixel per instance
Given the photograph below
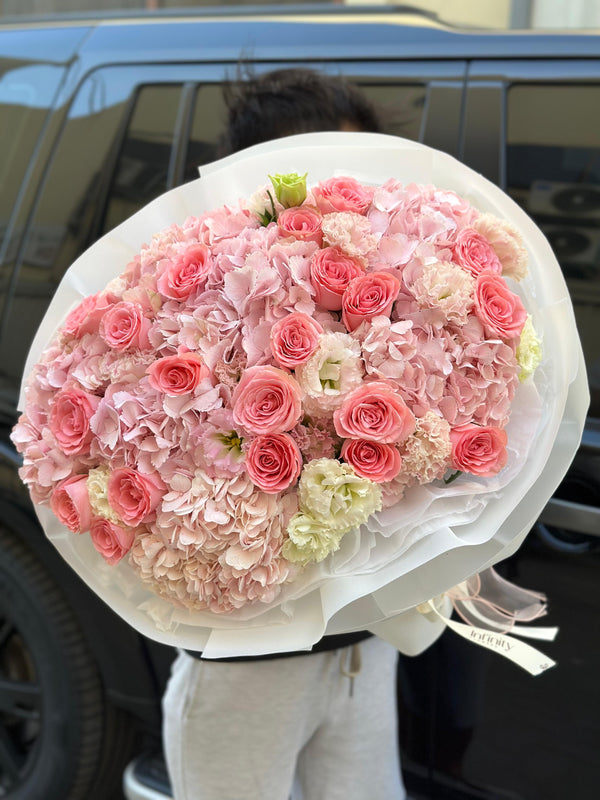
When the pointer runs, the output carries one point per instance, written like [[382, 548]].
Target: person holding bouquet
[[311, 725]]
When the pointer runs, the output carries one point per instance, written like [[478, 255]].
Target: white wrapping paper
[[436, 536]]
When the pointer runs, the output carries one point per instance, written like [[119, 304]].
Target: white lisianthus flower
[[97, 486], [310, 540], [264, 204], [333, 370], [529, 350], [333, 493]]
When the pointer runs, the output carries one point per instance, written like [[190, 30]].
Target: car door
[[532, 126]]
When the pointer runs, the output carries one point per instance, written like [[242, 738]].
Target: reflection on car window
[[67, 206], [553, 172], [208, 123], [400, 107], [143, 164], [26, 92]]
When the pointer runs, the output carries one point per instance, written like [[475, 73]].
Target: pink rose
[[373, 460], [185, 273], [370, 295], [86, 317], [110, 540], [71, 505], [266, 400], [501, 311], [342, 194], [301, 222], [294, 339], [478, 450], [474, 253], [331, 271], [374, 411], [70, 418], [124, 325], [175, 375], [134, 496], [273, 462]]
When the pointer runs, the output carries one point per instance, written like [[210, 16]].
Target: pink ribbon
[[489, 601]]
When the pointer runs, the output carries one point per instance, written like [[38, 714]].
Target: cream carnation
[[426, 454], [507, 243], [333, 370], [334, 494], [310, 540], [445, 286], [350, 232]]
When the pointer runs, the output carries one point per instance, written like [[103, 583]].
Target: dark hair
[[287, 101]]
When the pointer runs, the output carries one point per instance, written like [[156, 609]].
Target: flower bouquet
[[309, 403]]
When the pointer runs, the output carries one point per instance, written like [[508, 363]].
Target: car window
[[128, 138], [207, 124], [26, 93], [400, 108], [142, 168], [66, 208], [553, 172]]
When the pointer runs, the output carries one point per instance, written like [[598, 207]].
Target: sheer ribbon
[[491, 606]]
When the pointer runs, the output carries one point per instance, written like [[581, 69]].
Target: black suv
[[99, 117]]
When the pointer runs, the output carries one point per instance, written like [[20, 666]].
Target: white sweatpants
[[265, 730]]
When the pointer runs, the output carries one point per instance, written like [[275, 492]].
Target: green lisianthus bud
[[290, 189]]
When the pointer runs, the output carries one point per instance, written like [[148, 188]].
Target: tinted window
[[553, 171], [142, 168], [207, 124], [399, 106], [65, 217], [26, 92]]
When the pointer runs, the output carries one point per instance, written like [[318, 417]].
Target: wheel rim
[[20, 707]]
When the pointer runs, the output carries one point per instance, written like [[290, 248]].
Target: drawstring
[[354, 664]]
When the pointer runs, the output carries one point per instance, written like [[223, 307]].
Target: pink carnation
[[350, 233], [441, 286], [426, 454], [507, 243]]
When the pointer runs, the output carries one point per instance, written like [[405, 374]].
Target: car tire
[[56, 730]]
